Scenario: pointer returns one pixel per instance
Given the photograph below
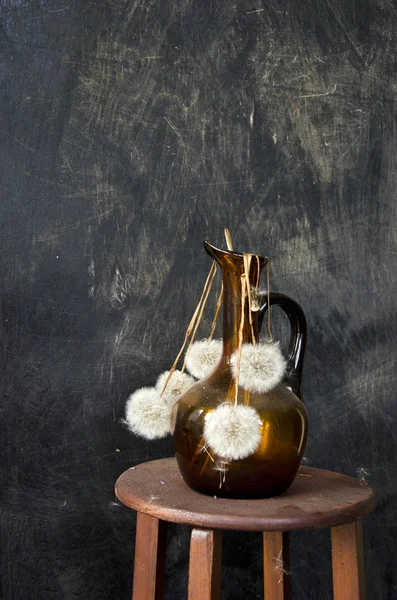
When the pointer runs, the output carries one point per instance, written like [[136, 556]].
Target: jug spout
[[216, 253], [231, 259]]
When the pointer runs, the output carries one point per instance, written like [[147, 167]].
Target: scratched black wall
[[131, 131]]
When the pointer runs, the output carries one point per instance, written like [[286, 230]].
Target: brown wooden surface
[[348, 562], [316, 499], [276, 575], [149, 566], [205, 565]]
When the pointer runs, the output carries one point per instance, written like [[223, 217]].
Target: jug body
[[269, 471]]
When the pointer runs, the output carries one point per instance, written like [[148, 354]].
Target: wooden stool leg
[[205, 565], [348, 562], [276, 577], [149, 565]]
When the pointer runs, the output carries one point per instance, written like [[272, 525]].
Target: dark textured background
[[130, 131]]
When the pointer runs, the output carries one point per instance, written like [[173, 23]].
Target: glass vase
[[271, 469]]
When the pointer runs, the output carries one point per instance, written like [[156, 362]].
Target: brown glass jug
[[271, 469]]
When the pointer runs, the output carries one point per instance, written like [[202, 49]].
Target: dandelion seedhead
[[176, 386], [202, 357], [232, 431], [148, 414], [262, 367]]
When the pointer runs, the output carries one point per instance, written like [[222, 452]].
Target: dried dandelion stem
[[206, 450], [191, 325], [203, 468], [240, 338], [268, 302], [229, 244], [231, 390], [198, 450], [258, 271], [218, 309], [247, 265], [228, 237]]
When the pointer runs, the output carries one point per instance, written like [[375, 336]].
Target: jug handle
[[297, 343]]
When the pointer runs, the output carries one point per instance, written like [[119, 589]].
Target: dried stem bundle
[[199, 309], [197, 315], [203, 301]]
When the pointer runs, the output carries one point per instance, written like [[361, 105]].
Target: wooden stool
[[316, 499]]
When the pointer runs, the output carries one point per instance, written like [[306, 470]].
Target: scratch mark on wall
[[331, 91]]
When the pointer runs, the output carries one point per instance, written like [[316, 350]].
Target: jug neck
[[232, 265], [232, 305]]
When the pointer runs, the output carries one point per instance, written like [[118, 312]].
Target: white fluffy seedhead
[[177, 385], [148, 414], [202, 357], [233, 431], [262, 367]]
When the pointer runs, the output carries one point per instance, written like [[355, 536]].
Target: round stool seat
[[316, 499]]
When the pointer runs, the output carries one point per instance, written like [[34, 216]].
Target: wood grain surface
[[316, 499]]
